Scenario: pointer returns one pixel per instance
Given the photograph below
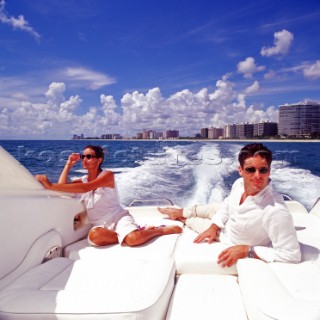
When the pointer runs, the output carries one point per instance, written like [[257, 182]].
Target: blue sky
[[121, 66]]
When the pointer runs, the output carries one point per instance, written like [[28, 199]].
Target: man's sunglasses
[[88, 156], [251, 170]]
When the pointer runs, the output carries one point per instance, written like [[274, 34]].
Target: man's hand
[[230, 256], [172, 213], [210, 234]]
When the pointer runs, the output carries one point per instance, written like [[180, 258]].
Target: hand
[[172, 213], [73, 159], [211, 234], [44, 180], [230, 256]]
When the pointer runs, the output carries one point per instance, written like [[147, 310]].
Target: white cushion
[[199, 258], [162, 246], [156, 248], [90, 289], [267, 295], [206, 297]]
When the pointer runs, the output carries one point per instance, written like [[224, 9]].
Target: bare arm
[[105, 179], [72, 160]]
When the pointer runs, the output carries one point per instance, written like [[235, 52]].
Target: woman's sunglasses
[[251, 170], [88, 156]]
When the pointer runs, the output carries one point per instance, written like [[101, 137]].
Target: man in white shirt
[[254, 219]]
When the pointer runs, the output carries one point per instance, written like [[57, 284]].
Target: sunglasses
[[88, 156], [251, 170]]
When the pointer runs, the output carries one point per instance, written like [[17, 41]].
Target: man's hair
[[254, 149]]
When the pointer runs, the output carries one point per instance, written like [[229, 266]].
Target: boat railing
[[151, 202], [286, 197]]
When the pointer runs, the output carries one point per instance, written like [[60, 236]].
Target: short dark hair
[[99, 153], [254, 149]]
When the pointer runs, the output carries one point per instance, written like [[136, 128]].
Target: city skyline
[[119, 66]]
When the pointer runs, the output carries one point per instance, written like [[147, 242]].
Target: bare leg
[[138, 237], [101, 237]]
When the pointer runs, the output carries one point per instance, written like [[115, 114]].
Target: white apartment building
[[299, 119]]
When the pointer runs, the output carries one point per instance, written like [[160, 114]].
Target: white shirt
[[103, 205], [262, 221]]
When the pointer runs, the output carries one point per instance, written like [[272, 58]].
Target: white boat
[[48, 270]]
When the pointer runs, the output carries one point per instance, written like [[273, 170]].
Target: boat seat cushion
[[280, 290], [157, 247], [91, 289], [199, 258], [206, 297]]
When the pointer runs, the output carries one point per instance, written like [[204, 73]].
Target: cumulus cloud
[[255, 87], [312, 71], [282, 43], [248, 67], [82, 77], [271, 74], [185, 111], [16, 23]]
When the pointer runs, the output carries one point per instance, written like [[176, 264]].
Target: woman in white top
[[111, 222]]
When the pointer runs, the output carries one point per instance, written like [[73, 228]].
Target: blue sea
[[186, 172]]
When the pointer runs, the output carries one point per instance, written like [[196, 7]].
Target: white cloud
[[17, 23], [248, 67], [255, 87], [271, 74], [183, 110], [282, 43], [82, 77], [312, 71]]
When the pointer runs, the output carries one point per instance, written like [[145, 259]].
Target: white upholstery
[[269, 295], [308, 231], [315, 210], [206, 297], [199, 258], [91, 289], [33, 257], [295, 207], [160, 247]]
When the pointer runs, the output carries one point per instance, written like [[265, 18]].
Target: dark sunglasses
[[263, 170], [88, 156]]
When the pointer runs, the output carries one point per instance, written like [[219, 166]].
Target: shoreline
[[176, 140]]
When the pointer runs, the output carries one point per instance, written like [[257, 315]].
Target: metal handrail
[[286, 197], [132, 203]]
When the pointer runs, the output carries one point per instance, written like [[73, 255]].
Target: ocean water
[[186, 172]]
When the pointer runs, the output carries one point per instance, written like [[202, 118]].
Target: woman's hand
[[73, 159], [43, 179]]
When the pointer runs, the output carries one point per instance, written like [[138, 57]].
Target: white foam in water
[[299, 184], [186, 175], [210, 175], [198, 173]]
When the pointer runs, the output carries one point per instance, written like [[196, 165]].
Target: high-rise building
[[215, 133], [171, 134], [265, 129], [299, 119], [204, 133], [244, 130], [230, 131]]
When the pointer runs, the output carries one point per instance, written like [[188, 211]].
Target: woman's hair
[[99, 153], [252, 150]]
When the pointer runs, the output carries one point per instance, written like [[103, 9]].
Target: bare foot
[[172, 213]]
